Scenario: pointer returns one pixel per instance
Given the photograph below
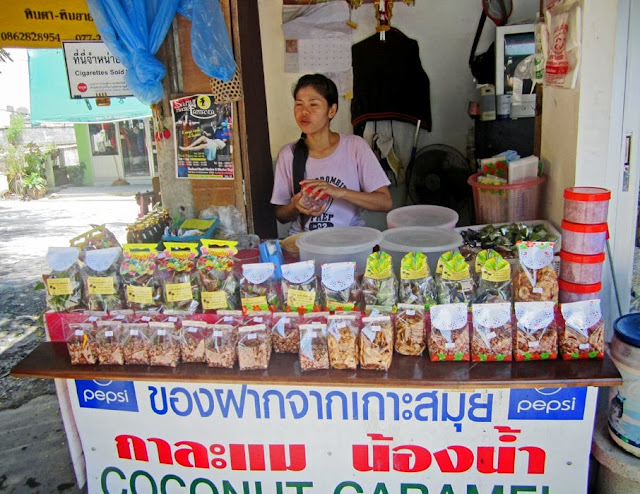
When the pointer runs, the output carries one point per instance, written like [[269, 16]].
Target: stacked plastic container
[[584, 237]]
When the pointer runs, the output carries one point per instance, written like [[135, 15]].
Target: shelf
[[51, 360]]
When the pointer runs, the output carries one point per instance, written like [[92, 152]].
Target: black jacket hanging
[[389, 82]]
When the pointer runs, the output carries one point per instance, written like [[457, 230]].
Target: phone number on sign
[[29, 36]]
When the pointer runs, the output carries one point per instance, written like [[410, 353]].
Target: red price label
[[82, 87]]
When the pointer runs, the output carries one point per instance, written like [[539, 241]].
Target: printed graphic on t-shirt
[[325, 220]]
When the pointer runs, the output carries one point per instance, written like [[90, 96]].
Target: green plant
[[34, 181], [76, 173]]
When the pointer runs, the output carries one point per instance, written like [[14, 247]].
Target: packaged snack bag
[[536, 280], [449, 335], [536, 331], [582, 336], [376, 343], [81, 343], [218, 283], [258, 317], [233, 317], [135, 343], [254, 347], [314, 352], [285, 332], [109, 342], [492, 332], [411, 330], [481, 258], [193, 338], [416, 284], [164, 346], [340, 288], [343, 332], [220, 346], [96, 238], [379, 284], [455, 284], [142, 288], [101, 278], [122, 315], [64, 283], [494, 285], [180, 280], [300, 287], [257, 290], [445, 257]]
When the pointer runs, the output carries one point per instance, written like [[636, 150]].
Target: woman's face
[[312, 111]]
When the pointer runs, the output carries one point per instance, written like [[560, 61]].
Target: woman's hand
[[317, 187], [316, 209]]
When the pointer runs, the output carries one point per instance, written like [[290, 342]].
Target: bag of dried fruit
[[300, 287], [81, 343], [101, 278], [411, 331], [379, 284], [257, 289], [64, 283], [492, 332], [536, 331], [254, 347], [135, 343], [582, 335], [448, 337], [376, 343], [417, 286], [193, 337], [285, 332], [536, 280], [314, 352], [340, 289], [494, 285], [343, 332], [109, 342], [220, 346], [455, 284], [142, 288], [219, 287], [180, 280], [164, 346]]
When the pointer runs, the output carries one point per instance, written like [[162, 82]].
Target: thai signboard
[[251, 439]]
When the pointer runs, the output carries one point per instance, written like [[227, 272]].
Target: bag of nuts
[[455, 284], [411, 331], [220, 346], [218, 283], [254, 347], [314, 352], [416, 284], [193, 337], [379, 284], [492, 332], [494, 285], [376, 343], [536, 280], [449, 334], [536, 331], [285, 332], [300, 287], [164, 348], [343, 332], [81, 343], [340, 290], [100, 274], [257, 290], [109, 342], [582, 336], [135, 343]]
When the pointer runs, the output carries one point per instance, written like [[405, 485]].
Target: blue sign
[[547, 404], [107, 395]]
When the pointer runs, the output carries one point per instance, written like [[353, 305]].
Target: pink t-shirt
[[352, 165]]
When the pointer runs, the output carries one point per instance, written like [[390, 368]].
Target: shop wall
[[84, 152]]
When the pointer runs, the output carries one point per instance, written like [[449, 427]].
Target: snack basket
[[208, 227]]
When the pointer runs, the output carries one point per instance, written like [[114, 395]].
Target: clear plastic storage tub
[[589, 205], [423, 215], [584, 270], [572, 292], [584, 239]]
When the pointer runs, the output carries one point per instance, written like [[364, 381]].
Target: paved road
[[34, 457]]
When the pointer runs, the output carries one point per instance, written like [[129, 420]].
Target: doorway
[[134, 148]]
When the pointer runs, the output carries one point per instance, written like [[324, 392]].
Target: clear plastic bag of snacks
[[343, 331], [257, 289], [417, 286], [300, 287], [64, 283], [481, 258], [257, 317], [81, 343], [193, 337], [220, 346], [109, 342], [494, 285], [313, 202], [101, 278], [536, 331], [455, 284], [314, 352], [254, 347], [180, 280], [449, 334], [285, 332], [379, 284], [233, 317], [376, 343], [340, 289], [135, 343], [492, 332], [411, 329], [122, 315], [164, 348], [142, 288], [218, 283], [582, 336], [536, 280]]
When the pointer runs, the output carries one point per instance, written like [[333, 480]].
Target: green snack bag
[[455, 285], [379, 285], [417, 286]]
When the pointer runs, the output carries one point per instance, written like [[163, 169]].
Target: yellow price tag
[[59, 286], [301, 298], [252, 302], [214, 300], [100, 285], [178, 292], [140, 294]]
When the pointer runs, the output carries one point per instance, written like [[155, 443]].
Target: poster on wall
[[202, 132]]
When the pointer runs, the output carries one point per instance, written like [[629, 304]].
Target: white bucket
[[624, 401]]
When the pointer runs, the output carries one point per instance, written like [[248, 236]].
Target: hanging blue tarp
[[50, 100]]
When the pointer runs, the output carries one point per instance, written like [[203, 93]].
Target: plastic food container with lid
[[431, 241], [584, 270], [339, 244], [573, 292], [588, 205], [423, 215], [584, 239]]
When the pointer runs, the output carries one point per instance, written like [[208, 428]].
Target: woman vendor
[[339, 168]]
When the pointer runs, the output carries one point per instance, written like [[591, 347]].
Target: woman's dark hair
[[322, 84]]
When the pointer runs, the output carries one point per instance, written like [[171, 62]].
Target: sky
[[14, 83]]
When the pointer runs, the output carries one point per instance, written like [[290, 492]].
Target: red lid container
[[581, 269], [573, 292], [590, 194], [587, 205], [581, 259]]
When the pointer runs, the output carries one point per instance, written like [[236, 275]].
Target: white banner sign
[[149, 437], [93, 71]]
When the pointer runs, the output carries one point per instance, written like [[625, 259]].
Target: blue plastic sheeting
[[50, 100]]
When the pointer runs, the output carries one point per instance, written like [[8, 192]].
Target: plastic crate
[[206, 226]]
